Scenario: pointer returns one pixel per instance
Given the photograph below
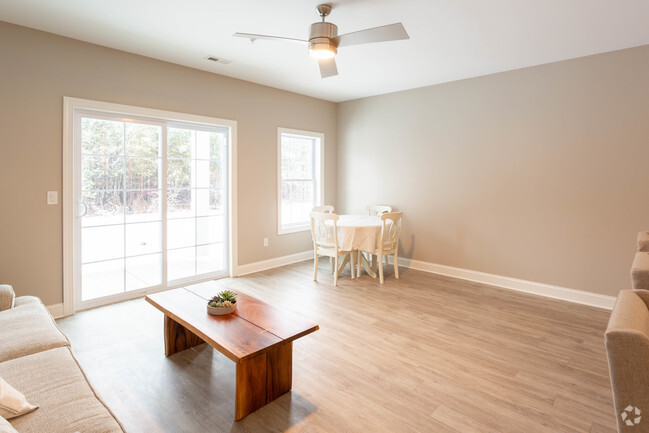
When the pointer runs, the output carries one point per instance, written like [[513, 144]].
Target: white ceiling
[[450, 39]]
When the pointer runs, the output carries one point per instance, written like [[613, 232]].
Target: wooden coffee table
[[257, 337]]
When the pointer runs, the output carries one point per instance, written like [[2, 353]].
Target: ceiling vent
[[218, 60]]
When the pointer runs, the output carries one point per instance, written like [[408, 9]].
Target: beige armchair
[[640, 271], [7, 297], [643, 241], [627, 348]]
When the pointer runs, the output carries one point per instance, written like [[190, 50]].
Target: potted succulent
[[224, 302]]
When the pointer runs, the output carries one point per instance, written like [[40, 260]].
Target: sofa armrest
[[627, 349], [7, 297]]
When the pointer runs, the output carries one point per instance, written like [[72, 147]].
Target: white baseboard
[[541, 289], [274, 263], [547, 290], [55, 310]]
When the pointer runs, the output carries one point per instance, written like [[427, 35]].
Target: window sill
[[293, 229]]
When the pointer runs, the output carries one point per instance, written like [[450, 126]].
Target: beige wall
[[38, 69], [540, 174]]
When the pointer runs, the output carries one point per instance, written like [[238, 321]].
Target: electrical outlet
[[52, 197], [265, 242]]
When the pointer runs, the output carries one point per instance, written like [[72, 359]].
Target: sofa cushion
[[5, 427], [54, 381], [12, 402], [7, 297], [28, 328]]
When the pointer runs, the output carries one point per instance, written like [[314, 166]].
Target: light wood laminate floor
[[424, 353]]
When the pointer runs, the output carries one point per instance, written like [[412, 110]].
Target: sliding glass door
[[196, 202], [152, 205]]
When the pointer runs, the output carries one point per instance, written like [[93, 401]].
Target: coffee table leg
[[279, 371], [178, 338], [262, 379], [250, 391]]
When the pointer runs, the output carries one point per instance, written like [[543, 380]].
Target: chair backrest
[[323, 209], [323, 234], [378, 209], [627, 349], [390, 230]]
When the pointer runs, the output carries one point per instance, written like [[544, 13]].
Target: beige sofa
[[627, 348], [35, 359]]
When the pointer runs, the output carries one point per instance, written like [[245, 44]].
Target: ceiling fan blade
[[253, 37], [391, 32], [328, 67]]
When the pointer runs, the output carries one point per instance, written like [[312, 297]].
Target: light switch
[[52, 197]]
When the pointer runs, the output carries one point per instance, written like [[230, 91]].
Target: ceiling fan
[[324, 41]]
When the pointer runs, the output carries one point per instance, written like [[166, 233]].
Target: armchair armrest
[[643, 241], [7, 297], [627, 349]]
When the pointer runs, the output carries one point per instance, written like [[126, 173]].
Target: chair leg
[[315, 265], [381, 269], [336, 271], [396, 266]]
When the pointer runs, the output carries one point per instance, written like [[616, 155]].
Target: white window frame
[[319, 176], [70, 173]]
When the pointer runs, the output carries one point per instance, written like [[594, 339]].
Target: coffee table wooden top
[[255, 327]]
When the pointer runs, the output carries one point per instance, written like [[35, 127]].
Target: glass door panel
[[196, 232], [121, 231]]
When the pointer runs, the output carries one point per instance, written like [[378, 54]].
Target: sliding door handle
[[85, 210]]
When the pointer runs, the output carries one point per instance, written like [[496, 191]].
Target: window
[[299, 156]]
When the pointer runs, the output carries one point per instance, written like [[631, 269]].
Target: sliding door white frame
[[71, 172]]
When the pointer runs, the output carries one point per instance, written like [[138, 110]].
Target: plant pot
[[220, 311]]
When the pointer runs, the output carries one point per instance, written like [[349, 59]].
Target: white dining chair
[[388, 242], [327, 208], [323, 209], [378, 209], [325, 243]]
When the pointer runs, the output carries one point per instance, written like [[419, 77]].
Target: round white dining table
[[359, 233]]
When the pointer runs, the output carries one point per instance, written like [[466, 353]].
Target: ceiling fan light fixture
[[322, 49], [324, 41], [321, 45]]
